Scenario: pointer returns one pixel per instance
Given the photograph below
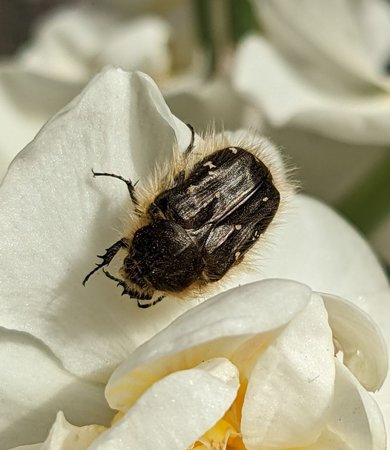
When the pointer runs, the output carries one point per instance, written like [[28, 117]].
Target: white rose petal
[[65, 436], [329, 440], [320, 69], [355, 417], [175, 411], [346, 54], [253, 309], [34, 386], [288, 99], [72, 44], [381, 317], [380, 237], [317, 247], [65, 44], [363, 346], [291, 386], [20, 121], [141, 44]]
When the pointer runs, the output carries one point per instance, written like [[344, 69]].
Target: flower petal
[[214, 328], [147, 42], [380, 238], [329, 440], [331, 41], [56, 224], [20, 120], [65, 436], [34, 386], [202, 104], [361, 341], [72, 44], [381, 317], [355, 417], [66, 42], [290, 389], [317, 247], [175, 411], [286, 98]]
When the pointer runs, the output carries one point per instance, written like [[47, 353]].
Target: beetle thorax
[[163, 257]]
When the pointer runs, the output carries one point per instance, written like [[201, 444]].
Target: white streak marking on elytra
[[209, 164]]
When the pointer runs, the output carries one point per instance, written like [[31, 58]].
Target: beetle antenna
[[130, 185]]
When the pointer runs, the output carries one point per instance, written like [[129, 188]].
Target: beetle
[[203, 214]]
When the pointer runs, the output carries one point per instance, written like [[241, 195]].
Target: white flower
[[321, 68], [252, 367], [71, 45], [56, 218], [319, 74]]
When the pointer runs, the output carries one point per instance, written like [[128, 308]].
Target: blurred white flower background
[[290, 355]]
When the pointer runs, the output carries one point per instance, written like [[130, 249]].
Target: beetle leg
[[133, 293], [191, 144], [107, 257], [128, 290], [130, 185], [148, 305]]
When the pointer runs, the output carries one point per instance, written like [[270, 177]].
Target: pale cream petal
[[329, 42], [203, 104], [262, 74], [34, 386], [329, 441], [361, 341], [287, 98], [290, 390], [146, 41], [29, 447], [65, 43], [175, 411], [355, 416], [27, 101], [315, 246], [65, 436], [380, 238], [381, 317], [215, 328]]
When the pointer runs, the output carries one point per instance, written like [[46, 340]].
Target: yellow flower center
[[221, 437], [225, 434]]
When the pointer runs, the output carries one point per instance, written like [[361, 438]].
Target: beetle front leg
[[133, 293], [107, 257], [128, 290], [148, 305]]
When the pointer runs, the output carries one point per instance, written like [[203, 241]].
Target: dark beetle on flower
[[198, 218]]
